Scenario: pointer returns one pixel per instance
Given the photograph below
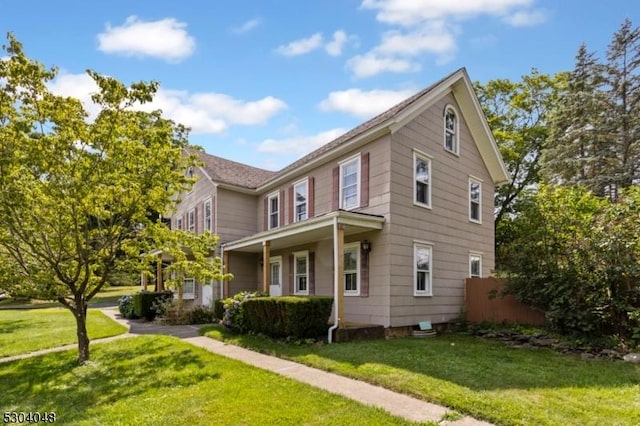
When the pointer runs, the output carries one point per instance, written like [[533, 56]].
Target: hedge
[[144, 303], [294, 316]]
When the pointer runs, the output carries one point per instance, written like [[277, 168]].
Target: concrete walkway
[[397, 404]]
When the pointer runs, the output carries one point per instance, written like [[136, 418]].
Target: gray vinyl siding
[[202, 190], [237, 215], [243, 266], [446, 225]]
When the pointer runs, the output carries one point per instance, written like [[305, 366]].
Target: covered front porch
[[307, 258]]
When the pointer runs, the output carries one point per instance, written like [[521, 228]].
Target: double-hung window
[[188, 288], [208, 216], [451, 130], [350, 183], [301, 272], [301, 203], [179, 223], [422, 179], [422, 270], [475, 265], [475, 200], [191, 220], [352, 269], [273, 204]]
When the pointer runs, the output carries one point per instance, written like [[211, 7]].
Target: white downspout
[[336, 279], [222, 266]]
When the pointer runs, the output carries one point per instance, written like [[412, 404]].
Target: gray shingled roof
[[222, 170], [227, 171]]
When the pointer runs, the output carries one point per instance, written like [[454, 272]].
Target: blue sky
[[265, 82]]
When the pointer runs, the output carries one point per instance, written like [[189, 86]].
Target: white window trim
[[305, 182], [473, 254], [273, 260], [179, 223], [275, 195], [188, 295], [355, 292], [204, 215], [191, 220], [428, 292], [295, 272], [456, 125], [342, 165], [425, 157], [479, 182]]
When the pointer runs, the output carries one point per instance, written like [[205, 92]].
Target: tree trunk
[[80, 313]]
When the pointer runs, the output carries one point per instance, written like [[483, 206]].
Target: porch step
[[354, 331]]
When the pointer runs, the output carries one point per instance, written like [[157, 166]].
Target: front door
[[207, 294], [275, 273]]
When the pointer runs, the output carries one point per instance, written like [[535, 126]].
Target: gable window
[[475, 265], [422, 179], [451, 129], [352, 269], [475, 200], [179, 223], [207, 217], [301, 272], [350, 184], [191, 220], [301, 193], [422, 270], [274, 210]]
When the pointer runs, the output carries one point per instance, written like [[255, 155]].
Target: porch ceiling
[[314, 229]]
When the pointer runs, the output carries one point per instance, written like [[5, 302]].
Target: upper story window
[[352, 269], [451, 130], [207, 217], [422, 179], [475, 200], [301, 203], [179, 223], [273, 204], [350, 183], [301, 272], [191, 220], [422, 270], [475, 265]]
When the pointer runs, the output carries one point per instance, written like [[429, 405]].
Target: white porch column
[[266, 276]]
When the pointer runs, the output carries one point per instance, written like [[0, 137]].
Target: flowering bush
[[126, 306], [233, 313]]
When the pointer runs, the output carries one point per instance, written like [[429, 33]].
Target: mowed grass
[[107, 295], [160, 380], [480, 378], [29, 330]]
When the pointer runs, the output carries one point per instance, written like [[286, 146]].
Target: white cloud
[[207, 112], [165, 39], [247, 26], [334, 47], [371, 63], [302, 46], [429, 39], [524, 18], [412, 12], [363, 104], [299, 145]]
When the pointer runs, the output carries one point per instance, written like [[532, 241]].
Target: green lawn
[[159, 380], [483, 379], [28, 330], [107, 294]]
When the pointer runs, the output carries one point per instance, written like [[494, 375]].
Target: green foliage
[[218, 309], [298, 317], [146, 303], [126, 306], [234, 317], [577, 257], [200, 315]]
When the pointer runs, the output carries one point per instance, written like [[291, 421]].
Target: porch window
[[301, 272], [475, 200], [422, 179], [352, 269], [301, 191], [350, 184], [475, 265], [191, 220], [188, 288], [207, 217], [451, 130], [274, 210], [422, 269]]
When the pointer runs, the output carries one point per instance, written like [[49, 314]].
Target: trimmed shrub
[[218, 309], [200, 315], [126, 308], [234, 311], [145, 303], [299, 317]]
